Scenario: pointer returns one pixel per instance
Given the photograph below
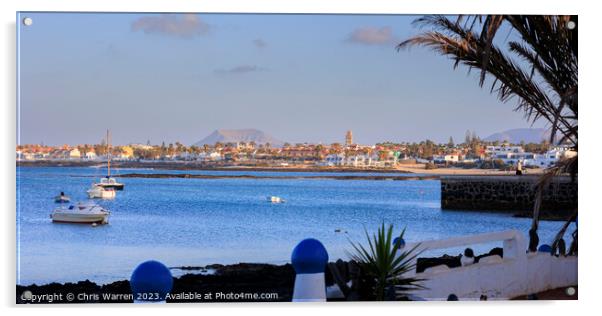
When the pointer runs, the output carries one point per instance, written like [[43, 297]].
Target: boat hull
[[80, 218], [118, 186], [101, 193]]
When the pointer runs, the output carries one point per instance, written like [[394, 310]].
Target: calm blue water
[[203, 221]]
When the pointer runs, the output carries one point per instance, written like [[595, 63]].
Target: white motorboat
[[100, 192], [275, 199], [85, 213]]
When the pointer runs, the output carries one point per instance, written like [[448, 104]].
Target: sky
[[299, 78]]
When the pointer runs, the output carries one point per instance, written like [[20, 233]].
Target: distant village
[[471, 153]]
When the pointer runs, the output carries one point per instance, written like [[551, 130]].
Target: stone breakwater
[[515, 194]]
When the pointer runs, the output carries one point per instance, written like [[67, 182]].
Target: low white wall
[[518, 273]]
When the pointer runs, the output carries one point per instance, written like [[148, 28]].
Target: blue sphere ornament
[[545, 248], [399, 242], [309, 256], [151, 281]]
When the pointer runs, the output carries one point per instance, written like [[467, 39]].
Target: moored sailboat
[[109, 182]]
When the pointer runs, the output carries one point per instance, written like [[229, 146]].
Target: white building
[[334, 159], [446, 158], [212, 156], [90, 155], [358, 161], [513, 154], [549, 158], [503, 150]]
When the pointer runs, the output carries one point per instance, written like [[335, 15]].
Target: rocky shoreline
[[204, 176], [229, 283], [184, 165]]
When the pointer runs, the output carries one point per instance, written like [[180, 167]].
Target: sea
[[197, 222]]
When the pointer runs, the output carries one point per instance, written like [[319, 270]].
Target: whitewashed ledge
[[518, 273]]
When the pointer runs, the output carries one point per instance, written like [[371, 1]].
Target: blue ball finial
[[545, 248], [309, 256], [151, 281], [399, 242]]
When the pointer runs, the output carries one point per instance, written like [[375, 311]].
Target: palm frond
[[545, 84], [546, 47]]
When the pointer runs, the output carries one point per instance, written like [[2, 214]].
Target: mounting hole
[[571, 25], [27, 21], [570, 291]]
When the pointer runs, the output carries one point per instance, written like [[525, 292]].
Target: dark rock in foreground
[[243, 282]]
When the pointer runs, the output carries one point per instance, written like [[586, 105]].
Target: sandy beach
[[419, 168]]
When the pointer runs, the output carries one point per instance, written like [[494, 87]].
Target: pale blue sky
[[297, 77]]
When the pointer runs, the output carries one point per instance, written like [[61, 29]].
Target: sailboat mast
[[108, 155]]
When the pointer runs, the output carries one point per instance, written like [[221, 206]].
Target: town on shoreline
[[472, 157]]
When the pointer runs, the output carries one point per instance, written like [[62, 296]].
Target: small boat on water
[[100, 192], [84, 213], [62, 198], [275, 199], [108, 181]]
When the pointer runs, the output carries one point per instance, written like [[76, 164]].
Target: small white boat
[[275, 199], [85, 213], [100, 192], [62, 198], [110, 182]]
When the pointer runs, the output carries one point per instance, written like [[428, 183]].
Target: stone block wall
[[507, 193]]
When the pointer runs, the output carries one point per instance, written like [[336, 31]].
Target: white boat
[[108, 181], [85, 213], [99, 192], [275, 199]]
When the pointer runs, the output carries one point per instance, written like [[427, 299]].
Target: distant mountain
[[239, 135], [515, 136]]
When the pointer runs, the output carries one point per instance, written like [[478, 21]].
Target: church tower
[[349, 138]]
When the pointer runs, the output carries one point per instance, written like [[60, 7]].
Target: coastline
[[202, 166], [228, 284], [203, 176]]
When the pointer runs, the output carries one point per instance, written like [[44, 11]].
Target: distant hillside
[[515, 136], [239, 135]]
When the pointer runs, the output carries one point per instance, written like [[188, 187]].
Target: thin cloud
[[372, 36], [259, 43], [181, 25], [241, 69]]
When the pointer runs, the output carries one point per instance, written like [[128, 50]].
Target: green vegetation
[[384, 265], [545, 82]]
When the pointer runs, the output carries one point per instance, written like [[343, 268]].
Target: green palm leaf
[[385, 264]]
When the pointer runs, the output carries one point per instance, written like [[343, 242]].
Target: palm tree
[[538, 68], [385, 264]]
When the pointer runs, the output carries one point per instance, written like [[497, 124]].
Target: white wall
[[518, 273]]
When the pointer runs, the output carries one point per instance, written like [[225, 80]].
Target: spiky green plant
[[386, 264]]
